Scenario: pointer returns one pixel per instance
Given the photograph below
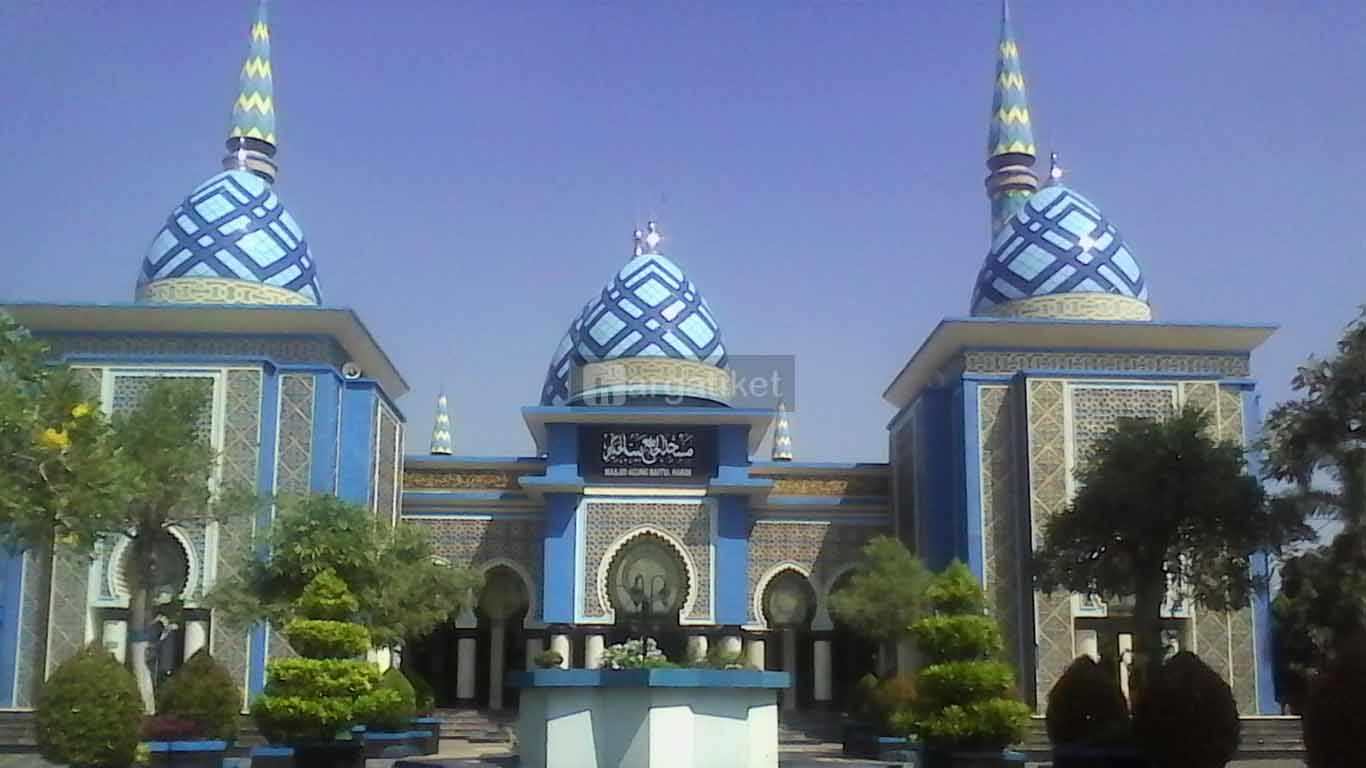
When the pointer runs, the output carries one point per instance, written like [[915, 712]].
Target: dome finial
[[1010, 138], [251, 140], [649, 240], [441, 428], [1055, 171], [782, 435]]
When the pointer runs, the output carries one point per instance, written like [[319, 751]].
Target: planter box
[[865, 740], [431, 726], [391, 744], [272, 757], [941, 758], [187, 754], [1071, 756], [648, 718], [330, 754]]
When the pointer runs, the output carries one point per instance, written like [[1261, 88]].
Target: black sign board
[[647, 454]]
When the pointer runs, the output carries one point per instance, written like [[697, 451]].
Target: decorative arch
[[117, 581], [822, 619], [532, 607], [756, 600], [679, 549]]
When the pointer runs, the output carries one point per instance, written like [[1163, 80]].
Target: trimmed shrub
[[203, 692], [864, 698], [966, 700], [89, 712], [1331, 723], [169, 728], [893, 701], [548, 659], [1087, 707], [424, 695], [1186, 717], [325, 639], [390, 706]]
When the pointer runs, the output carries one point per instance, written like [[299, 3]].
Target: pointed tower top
[[1010, 138], [441, 429], [782, 435], [647, 241], [251, 140]]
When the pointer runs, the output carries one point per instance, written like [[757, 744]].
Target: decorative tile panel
[[281, 350], [1097, 409], [386, 474], [998, 515], [607, 523], [1211, 641], [822, 548], [472, 542], [295, 455], [240, 455], [463, 480], [1012, 361], [1048, 496], [29, 668], [825, 485], [67, 610]]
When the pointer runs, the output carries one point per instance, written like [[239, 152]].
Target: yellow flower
[[55, 438], [81, 409], [67, 539]]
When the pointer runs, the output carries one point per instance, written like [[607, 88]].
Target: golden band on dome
[[1075, 306], [217, 290]]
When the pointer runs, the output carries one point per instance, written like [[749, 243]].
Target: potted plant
[[1185, 716], [387, 713], [425, 701], [548, 659], [966, 710], [311, 702], [88, 712], [1088, 719], [882, 729], [197, 716]]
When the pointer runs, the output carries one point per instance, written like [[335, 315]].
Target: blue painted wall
[[560, 546], [326, 420], [732, 529], [12, 571], [356, 457], [970, 459]]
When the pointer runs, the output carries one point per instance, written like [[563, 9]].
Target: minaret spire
[[441, 429], [1010, 140], [782, 435], [251, 140]]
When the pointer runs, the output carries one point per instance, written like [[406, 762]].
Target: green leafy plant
[[1332, 725], [89, 712], [311, 699], [635, 654], [718, 657], [965, 697], [885, 592], [424, 695], [1186, 717], [203, 692], [1087, 707], [892, 702], [549, 659], [390, 706]]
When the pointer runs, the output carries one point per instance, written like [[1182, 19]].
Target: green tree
[[400, 589], [885, 593], [1162, 505]]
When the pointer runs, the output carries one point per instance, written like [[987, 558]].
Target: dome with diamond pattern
[[1060, 257]]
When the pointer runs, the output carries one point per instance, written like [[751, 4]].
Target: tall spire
[[251, 140], [1010, 140], [782, 435], [441, 429], [647, 241]]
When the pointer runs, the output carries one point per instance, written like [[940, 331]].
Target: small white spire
[[1055, 171], [647, 241], [782, 435], [441, 429]]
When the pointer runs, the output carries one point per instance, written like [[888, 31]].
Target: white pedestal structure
[[196, 637], [560, 645], [593, 646], [821, 677], [668, 718], [465, 649], [754, 652], [697, 648]]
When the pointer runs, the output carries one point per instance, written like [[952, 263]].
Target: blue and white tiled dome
[[232, 242], [1060, 257], [648, 309]]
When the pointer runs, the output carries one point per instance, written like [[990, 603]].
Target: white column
[[383, 659], [592, 651], [466, 651], [1126, 662], [754, 652], [534, 646], [907, 656], [820, 663], [560, 645], [196, 637], [497, 637], [697, 648], [1088, 643], [730, 644], [790, 666], [116, 639]]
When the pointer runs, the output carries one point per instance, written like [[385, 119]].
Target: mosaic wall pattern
[[29, 667], [823, 549], [240, 456], [293, 462], [474, 542], [825, 485], [386, 497], [1096, 410], [1007, 361], [1047, 497], [998, 516], [606, 523], [464, 480], [281, 350]]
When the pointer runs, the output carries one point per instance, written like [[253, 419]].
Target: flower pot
[[1077, 756], [431, 727], [187, 754], [272, 757], [393, 744], [966, 758]]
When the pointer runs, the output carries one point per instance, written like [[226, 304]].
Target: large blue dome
[[1060, 257], [230, 242]]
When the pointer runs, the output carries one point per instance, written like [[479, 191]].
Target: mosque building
[[646, 509]]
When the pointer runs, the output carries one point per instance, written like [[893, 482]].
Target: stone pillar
[[730, 644], [497, 638], [116, 639], [592, 651], [754, 652], [196, 637], [559, 643], [534, 646], [820, 668], [697, 648], [1088, 643], [790, 666], [466, 651]]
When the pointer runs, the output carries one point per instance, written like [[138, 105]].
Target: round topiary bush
[[203, 692], [89, 712], [425, 696], [1331, 723], [1185, 716], [391, 706], [1087, 707]]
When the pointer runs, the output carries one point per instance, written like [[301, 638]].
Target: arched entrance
[[852, 657], [788, 604], [647, 585], [501, 611]]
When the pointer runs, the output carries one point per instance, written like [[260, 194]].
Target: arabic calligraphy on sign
[[648, 454]]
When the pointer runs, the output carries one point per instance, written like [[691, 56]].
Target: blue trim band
[[649, 678]]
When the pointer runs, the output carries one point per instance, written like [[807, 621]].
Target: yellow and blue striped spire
[[1010, 141], [442, 442], [251, 140], [782, 435]]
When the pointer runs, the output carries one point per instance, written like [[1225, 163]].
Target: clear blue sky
[[468, 173]]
